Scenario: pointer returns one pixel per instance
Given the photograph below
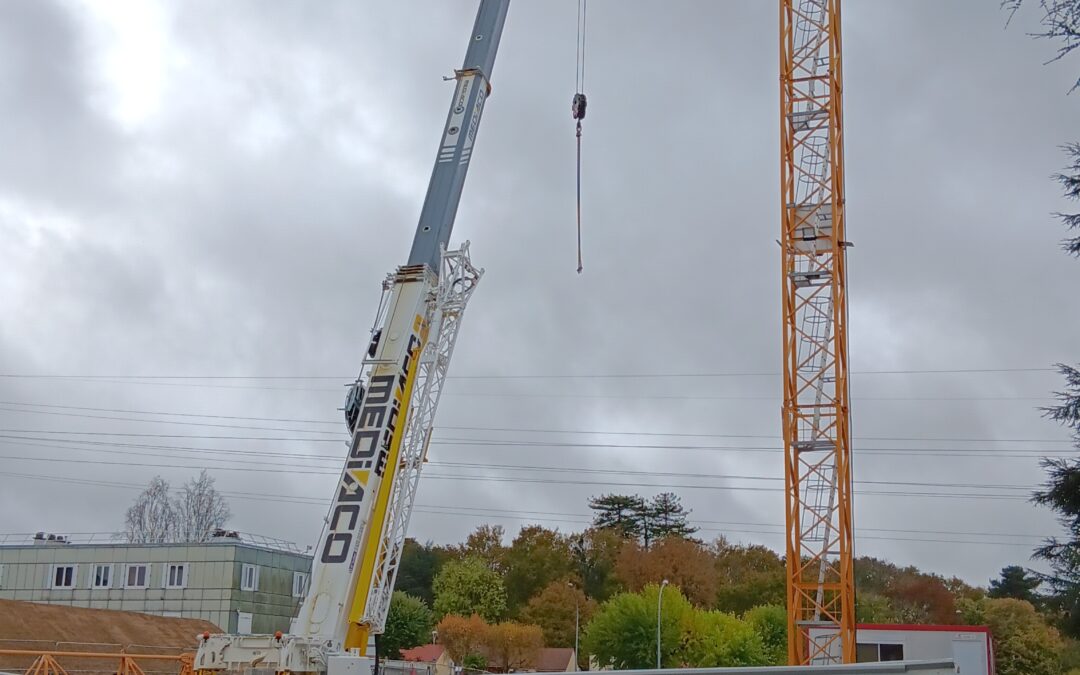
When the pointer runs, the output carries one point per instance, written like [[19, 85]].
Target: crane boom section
[[459, 136], [344, 554]]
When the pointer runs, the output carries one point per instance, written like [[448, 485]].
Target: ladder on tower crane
[[816, 408]]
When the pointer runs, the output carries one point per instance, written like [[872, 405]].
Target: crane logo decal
[[375, 426]]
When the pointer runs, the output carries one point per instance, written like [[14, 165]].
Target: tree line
[[723, 605]]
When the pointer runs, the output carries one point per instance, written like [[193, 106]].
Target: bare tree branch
[[200, 509], [1060, 21], [151, 519]]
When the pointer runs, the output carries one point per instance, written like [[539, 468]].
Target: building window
[[102, 576], [872, 652], [299, 584], [63, 576], [175, 576], [249, 577], [138, 576]]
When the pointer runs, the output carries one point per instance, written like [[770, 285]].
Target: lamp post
[[577, 624], [659, 605]]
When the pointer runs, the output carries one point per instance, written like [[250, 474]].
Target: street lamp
[[577, 624], [659, 604]]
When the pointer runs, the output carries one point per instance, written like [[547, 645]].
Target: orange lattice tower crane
[[816, 412]]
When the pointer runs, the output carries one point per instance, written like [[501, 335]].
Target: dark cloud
[[242, 222]]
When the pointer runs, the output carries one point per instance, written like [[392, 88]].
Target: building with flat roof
[[241, 583], [971, 648]]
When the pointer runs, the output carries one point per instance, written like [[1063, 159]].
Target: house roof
[[554, 659], [423, 653]]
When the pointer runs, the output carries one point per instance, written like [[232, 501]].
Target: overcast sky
[[218, 189]]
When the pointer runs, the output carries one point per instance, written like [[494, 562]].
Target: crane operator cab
[[354, 400]]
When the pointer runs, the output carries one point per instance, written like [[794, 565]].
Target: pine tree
[[622, 513], [667, 517], [1016, 582], [1061, 492]]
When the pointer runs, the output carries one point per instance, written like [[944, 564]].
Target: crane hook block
[[577, 107]]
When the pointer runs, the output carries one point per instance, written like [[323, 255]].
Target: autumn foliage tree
[[536, 557], [462, 637], [686, 564], [486, 543], [504, 646], [595, 552], [513, 646], [1023, 642], [747, 576], [921, 598], [555, 609]]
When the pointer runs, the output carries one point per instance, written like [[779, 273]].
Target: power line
[[516, 429], [549, 481], [170, 413], [292, 468], [523, 376], [998, 453], [151, 421]]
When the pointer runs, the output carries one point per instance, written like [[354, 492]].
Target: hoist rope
[[579, 265], [578, 108], [583, 8]]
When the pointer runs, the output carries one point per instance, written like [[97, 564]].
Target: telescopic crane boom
[[389, 414]]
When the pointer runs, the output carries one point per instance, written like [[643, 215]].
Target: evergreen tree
[[1061, 492], [622, 513], [667, 517], [1016, 582]]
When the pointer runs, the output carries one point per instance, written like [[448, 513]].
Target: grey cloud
[[244, 230]]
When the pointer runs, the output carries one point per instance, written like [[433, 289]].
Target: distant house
[[550, 660], [556, 660], [431, 655]]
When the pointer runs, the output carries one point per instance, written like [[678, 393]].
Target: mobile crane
[[389, 412], [390, 409]]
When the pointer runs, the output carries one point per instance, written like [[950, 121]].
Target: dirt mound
[[38, 627]]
